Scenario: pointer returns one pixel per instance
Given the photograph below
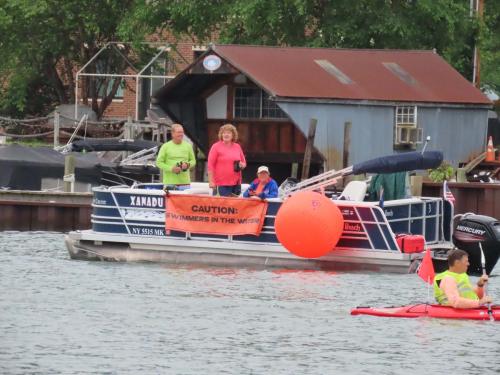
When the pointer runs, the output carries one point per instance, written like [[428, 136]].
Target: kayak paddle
[[483, 266]]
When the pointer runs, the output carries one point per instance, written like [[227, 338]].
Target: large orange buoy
[[308, 224]]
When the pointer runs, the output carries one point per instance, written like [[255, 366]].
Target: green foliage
[[44, 42], [444, 25], [490, 46], [444, 172]]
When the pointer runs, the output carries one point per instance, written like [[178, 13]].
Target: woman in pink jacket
[[225, 163]]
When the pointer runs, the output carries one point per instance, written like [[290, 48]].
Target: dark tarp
[[407, 161], [22, 168]]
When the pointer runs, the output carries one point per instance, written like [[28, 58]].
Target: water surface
[[76, 317]]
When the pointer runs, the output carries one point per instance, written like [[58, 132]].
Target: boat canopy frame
[[163, 48]]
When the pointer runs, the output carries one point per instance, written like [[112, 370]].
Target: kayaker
[[453, 287], [263, 186]]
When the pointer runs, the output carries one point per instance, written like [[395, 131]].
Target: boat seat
[[244, 188], [354, 191], [200, 191]]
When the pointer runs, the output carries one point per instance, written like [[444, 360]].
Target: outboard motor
[[473, 229]]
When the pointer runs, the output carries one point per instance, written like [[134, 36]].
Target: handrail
[[320, 181]]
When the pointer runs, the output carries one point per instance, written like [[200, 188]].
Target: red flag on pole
[[426, 269]]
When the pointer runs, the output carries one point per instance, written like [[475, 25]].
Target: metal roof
[[352, 74]]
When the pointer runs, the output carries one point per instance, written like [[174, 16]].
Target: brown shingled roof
[[349, 74]]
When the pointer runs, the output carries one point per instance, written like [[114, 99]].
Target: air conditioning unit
[[409, 135]]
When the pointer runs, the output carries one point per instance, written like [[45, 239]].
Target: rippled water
[[64, 316]]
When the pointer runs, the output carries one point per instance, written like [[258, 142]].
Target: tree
[[443, 25], [45, 42], [489, 46]]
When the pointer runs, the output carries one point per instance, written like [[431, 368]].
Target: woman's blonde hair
[[231, 128]]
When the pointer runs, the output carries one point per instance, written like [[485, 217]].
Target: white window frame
[[407, 112], [406, 123], [261, 97]]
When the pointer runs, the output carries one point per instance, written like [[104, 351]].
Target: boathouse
[[367, 103]]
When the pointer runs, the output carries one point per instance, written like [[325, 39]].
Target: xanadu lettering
[[144, 201]]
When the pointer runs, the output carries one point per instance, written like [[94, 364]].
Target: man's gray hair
[[176, 126]]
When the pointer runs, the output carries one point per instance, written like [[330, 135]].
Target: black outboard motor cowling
[[472, 229]]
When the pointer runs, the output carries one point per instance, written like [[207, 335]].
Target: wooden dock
[[44, 211], [480, 198]]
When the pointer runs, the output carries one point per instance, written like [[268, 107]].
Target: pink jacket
[[221, 163]]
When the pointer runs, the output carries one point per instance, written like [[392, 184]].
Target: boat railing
[[115, 187], [319, 182], [120, 179], [140, 157]]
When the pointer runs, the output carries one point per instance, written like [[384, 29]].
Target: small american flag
[[448, 195]]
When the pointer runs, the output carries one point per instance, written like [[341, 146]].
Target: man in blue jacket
[[263, 186]]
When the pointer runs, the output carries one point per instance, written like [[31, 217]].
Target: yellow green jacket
[[172, 153]]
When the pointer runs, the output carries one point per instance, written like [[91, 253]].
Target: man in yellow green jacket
[[176, 158], [453, 287]]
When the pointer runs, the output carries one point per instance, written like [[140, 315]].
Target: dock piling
[[69, 173], [309, 148]]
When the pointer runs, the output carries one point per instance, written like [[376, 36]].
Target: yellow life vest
[[465, 289]]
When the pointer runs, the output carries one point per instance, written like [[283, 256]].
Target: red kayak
[[431, 311]]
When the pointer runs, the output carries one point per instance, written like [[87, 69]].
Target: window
[[407, 134], [104, 90], [105, 84], [247, 102], [406, 116], [159, 68], [254, 103]]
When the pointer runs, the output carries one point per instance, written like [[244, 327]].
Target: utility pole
[[477, 8]]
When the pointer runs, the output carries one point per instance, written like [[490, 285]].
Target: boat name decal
[[347, 212], [463, 228], [145, 201], [389, 213], [352, 227]]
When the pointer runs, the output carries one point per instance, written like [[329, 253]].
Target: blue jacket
[[270, 190]]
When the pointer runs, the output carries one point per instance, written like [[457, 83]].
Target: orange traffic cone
[[490, 151]]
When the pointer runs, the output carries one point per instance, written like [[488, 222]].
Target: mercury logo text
[[463, 228]]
